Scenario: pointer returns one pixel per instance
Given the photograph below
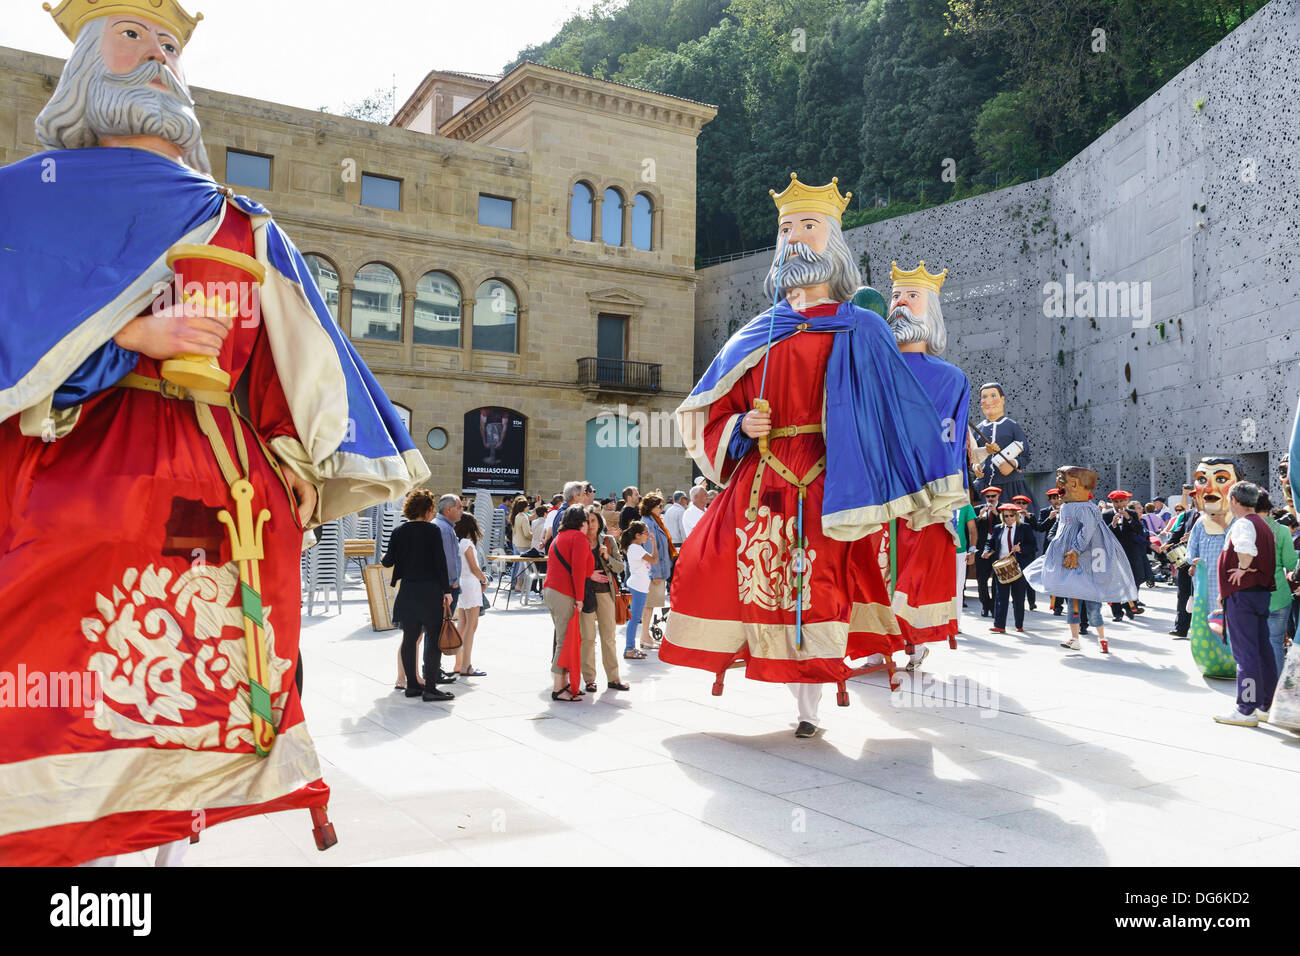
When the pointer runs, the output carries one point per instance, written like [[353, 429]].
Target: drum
[[1177, 555], [1007, 569]]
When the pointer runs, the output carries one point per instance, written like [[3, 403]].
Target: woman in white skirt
[[472, 582]]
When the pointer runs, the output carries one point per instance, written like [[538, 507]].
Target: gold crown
[[920, 277], [800, 198], [72, 15]]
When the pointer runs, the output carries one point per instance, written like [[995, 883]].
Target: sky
[[329, 52]]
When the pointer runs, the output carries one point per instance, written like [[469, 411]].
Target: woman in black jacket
[[415, 554]]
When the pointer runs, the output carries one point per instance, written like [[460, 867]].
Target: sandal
[[634, 655], [555, 695], [591, 687], [618, 685], [472, 672]]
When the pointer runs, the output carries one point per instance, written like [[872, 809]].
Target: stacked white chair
[[327, 567]]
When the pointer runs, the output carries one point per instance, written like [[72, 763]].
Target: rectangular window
[[495, 211], [611, 348], [381, 192], [248, 169]]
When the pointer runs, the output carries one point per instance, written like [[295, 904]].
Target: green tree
[[1004, 135]]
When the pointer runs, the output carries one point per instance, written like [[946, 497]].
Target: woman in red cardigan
[[568, 567]]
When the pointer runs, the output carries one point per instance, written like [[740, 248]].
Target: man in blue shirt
[[449, 512]]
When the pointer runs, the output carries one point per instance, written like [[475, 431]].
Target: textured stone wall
[[1194, 192]]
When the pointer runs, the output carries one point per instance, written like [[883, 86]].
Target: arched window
[[377, 304], [643, 209], [581, 212], [496, 317], [437, 310], [611, 218], [326, 276]]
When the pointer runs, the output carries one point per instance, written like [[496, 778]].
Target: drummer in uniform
[[986, 520], [1010, 547], [1027, 505]]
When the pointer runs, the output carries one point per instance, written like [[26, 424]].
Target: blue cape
[[83, 235], [886, 453]]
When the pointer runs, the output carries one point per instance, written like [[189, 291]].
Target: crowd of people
[[609, 561], [1248, 548]]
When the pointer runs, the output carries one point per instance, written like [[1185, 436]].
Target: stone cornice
[[422, 241], [532, 81], [387, 368]]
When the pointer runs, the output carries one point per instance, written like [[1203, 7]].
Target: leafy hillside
[[909, 102]]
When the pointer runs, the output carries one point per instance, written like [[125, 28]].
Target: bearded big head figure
[[914, 313], [810, 249], [123, 79]]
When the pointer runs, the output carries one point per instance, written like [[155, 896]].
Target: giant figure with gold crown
[[822, 436], [176, 407], [925, 595]]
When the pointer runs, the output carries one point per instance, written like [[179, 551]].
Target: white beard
[[906, 327], [126, 106]]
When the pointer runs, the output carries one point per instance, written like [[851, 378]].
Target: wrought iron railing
[[619, 374]]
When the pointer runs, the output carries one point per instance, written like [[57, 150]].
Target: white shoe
[[1237, 719], [1072, 644], [873, 660], [917, 657]]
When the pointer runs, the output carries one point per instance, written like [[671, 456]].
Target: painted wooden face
[[912, 297], [1211, 485], [130, 41], [807, 227], [992, 403], [1075, 483]]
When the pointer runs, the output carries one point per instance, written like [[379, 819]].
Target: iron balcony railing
[[619, 374]]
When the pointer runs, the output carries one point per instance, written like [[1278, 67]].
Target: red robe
[[733, 593], [114, 568]]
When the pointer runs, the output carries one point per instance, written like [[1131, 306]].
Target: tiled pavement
[[1009, 750]]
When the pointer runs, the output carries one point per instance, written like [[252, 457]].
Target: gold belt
[[767, 459]]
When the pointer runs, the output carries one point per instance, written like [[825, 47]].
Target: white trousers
[[808, 697], [169, 854], [961, 584]]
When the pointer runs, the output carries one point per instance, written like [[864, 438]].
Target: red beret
[[1024, 498], [1055, 491], [992, 488], [1010, 508], [1117, 495]]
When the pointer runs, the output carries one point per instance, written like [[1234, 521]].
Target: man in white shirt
[[699, 502], [573, 495], [673, 515]]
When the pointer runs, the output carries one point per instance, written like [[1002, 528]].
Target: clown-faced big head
[[1211, 483], [993, 401], [914, 314], [1078, 483]]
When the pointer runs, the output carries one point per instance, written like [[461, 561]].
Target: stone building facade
[[445, 245]]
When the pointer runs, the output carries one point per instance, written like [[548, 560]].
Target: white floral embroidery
[[767, 559], [163, 638]]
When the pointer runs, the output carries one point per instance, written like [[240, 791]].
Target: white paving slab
[[1007, 751]]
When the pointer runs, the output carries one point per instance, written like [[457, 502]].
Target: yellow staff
[[246, 548]]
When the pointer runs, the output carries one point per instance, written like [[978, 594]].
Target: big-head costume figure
[[1211, 483], [1005, 447], [852, 442], [925, 594], [176, 407], [1084, 561]]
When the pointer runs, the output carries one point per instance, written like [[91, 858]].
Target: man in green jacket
[[1279, 607]]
